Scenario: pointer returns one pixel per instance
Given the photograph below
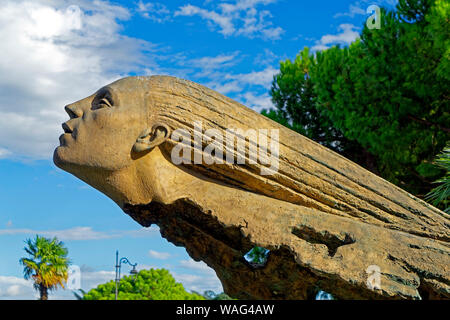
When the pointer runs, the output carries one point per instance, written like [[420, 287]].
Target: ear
[[150, 138]]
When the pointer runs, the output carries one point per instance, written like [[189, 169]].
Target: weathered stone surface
[[324, 219]]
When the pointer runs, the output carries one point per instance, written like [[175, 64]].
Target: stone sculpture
[[328, 223]]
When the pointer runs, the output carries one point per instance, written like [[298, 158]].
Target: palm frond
[[47, 263]]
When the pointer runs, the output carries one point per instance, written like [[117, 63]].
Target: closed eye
[[103, 100]]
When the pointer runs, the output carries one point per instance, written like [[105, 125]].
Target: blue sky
[[56, 52]]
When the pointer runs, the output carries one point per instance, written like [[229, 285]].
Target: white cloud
[[354, 9], [159, 255], [195, 265], [246, 87], [204, 279], [224, 22], [319, 47], [250, 89], [272, 33], [213, 69], [91, 279], [225, 88], [257, 102], [345, 37], [142, 232], [16, 288], [54, 53], [240, 17], [13, 290], [242, 5], [261, 78], [154, 11], [4, 153], [220, 62], [199, 283], [265, 58], [82, 233], [20, 289]]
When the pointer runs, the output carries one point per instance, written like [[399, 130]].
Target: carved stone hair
[[308, 175]]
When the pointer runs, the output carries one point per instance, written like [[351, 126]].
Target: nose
[[73, 111]]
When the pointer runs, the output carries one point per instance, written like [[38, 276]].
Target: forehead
[[129, 84], [121, 90]]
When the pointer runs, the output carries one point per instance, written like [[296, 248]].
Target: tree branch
[[428, 123]]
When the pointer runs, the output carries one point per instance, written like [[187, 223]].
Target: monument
[[219, 179]]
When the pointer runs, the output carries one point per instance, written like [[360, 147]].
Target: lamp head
[[133, 271]]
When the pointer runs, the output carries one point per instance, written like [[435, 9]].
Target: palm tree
[[47, 264]]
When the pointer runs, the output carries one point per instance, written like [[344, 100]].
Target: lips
[[66, 128]]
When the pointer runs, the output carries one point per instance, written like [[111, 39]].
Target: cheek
[[110, 135]]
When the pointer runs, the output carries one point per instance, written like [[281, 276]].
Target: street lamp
[[118, 266]]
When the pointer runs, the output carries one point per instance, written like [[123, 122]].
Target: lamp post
[[118, 266]]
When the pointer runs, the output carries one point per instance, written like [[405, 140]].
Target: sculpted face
[[108, 139], [103, 128]]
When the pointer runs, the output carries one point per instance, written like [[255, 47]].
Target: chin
[[58, 159]]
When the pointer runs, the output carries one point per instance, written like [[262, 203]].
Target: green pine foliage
[[383, 101], [293, 95], [440, 196], [295, 99]]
